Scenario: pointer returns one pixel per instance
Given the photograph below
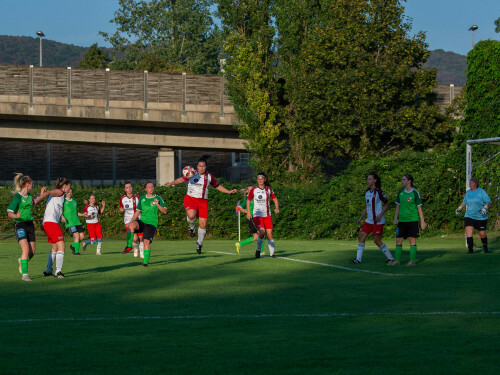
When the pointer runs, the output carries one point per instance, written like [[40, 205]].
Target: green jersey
[[24, 205], [149, 210], [408, 203], [70, 212]]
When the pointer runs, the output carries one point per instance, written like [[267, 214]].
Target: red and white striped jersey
[[198, 185], [94, 212], [261, 201], [129, 206], [375, 201]]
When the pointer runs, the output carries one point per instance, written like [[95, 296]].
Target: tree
[[497, 25], [165, 35], [94, 59], [341, 78]]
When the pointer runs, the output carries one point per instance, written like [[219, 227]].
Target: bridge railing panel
[[14, 80], [88, 84]]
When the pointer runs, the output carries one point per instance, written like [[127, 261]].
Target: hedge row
[[313, 211]]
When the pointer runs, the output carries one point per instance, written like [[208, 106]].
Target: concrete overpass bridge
[[118, 108]]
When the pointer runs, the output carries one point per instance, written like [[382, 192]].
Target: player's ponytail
[[61, 181], [20, 181]]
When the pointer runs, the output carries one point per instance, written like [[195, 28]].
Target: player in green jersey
[[408, 213], [251, 225], [21, 210], [148, 207], [72, 223]]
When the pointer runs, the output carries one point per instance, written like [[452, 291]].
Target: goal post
[[469, 167]]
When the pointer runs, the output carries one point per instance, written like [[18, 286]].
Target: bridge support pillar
[[165, 166]]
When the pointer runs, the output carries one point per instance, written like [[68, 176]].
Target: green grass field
[[308, 311]]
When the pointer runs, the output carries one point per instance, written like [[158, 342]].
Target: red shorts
[[95, 231], [263, 222], [197, 204], [53, 231], [377, 229], [126, 230]]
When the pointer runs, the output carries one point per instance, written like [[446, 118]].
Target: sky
[[446, 22]]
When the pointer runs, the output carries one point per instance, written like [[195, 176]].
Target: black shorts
[[75, 229], [148, 230], [25, 230], [407, 229], [477, 224], [251, 226]]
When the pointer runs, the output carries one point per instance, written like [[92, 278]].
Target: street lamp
[[41, 35], [473, 28]]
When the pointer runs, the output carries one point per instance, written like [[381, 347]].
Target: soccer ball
[[188, 172]]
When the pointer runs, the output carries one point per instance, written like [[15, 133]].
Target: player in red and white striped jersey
[[261, 195], [376, 205], [91, 213], [196, 199], [128, 205]]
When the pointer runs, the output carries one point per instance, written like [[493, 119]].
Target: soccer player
[[147, 208], [376, 205], [128, 205], [408, 212], [72, 223], [91, 213], [251, 226], [21, 210], [196, 199], [476, 214], [51, 219], [261, 195]]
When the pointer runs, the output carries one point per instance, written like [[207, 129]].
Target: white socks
[[270, 243], [359, 254], [190, 222], [386, 251], [201, 235], [59, 260]]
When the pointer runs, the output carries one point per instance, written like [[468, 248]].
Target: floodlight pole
[[473, 28], [40, 35]]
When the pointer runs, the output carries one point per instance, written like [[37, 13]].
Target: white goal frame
[[469, 167]]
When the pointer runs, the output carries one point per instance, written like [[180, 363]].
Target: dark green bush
[[308, 211]]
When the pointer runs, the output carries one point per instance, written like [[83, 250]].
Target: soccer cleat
[[262, 253], [25, 278], [237, 244], [486, 251], [411, 263], [97, 252], [84, 246], [127, 249], [72, 250], [198, 248], [145, 265], [20, 270], [389, 261], [136, 253], [354, 261], [47, 273], [59, 275], [192, 231], [77, 254], [470, 252], [272, 256], [257, 254], [393, 263]]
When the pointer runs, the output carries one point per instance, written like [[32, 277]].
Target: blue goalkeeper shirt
[[475, 200]]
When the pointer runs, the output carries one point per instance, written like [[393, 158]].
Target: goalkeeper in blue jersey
[[476, 215]]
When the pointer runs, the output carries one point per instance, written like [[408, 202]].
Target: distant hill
[[24, 50], [450, 67]]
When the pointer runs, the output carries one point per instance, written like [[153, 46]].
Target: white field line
[[253, 316], [373, 272]]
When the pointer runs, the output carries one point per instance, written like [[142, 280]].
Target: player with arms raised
[[196, 199]]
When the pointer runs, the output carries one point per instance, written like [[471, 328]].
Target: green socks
[[76, 246], [399, 250], [24, 266], [147, 252], [413, 253], [130, 238], [250, 240]]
